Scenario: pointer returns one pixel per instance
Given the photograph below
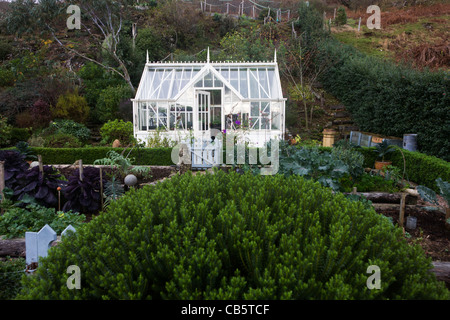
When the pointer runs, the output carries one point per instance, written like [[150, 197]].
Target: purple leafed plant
[[83, 195], [41, 186], [15, 165]]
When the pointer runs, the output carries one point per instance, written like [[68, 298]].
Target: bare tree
[[101, 19]]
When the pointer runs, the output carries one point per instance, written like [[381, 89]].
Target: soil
[[430, 233]]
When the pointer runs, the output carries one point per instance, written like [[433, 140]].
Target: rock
[[116, 144], [130, 180]]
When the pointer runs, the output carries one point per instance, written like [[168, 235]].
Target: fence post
[[38, 243], [359, 24]]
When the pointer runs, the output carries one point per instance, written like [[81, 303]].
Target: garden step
[[341, 114], [337, 107], [343, 121]]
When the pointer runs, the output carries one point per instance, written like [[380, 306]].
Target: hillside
[[35, 66]]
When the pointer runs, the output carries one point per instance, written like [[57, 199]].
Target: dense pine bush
[[231, 236]]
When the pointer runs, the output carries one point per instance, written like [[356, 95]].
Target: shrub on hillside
[[61, 140], [109, 100], [5, 131], [231, 236], [341, 17], [118, 129], [71, 106]]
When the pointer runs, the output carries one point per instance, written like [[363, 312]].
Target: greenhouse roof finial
[[207, 56], [147, 57], [275, 56]]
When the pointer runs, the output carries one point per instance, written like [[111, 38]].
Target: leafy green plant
[[16, 221], [5, 131], [313, 164], [24, 149], [71, 106], [382, 149], [108, 102], [11, 271], [61, 140], [158, 140], [122, 164], [352, 158], [234, 237], [118, 129], [430, 195], [78, 130]]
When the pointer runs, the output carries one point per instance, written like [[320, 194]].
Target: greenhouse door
[[203, 99]]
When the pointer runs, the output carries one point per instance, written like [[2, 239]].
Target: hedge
[[389, 99], [142, 156], [419, 167], [231, 236]]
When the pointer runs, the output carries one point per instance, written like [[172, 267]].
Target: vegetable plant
[[383, 148], [83, 194], [24, 149], [40, 185], [313, 164], [14, 166]]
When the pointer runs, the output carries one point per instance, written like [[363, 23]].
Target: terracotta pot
[[379, 165]]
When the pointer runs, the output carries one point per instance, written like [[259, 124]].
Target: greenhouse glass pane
[[207, 80], [276, 120], [254, 86], [273, 84], [243, 85], [152, 124], [254, 109], [263, 83], [225, 73]]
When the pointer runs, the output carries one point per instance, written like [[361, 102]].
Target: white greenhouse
[[190, 99]]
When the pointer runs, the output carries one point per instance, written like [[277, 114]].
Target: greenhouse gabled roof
[[249, 80]]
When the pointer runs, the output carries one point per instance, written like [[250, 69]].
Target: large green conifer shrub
[[231, 236]]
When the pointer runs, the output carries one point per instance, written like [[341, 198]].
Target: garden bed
[[157, 172], [430, 232]]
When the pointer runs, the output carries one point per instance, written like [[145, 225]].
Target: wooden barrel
[[328, 137]]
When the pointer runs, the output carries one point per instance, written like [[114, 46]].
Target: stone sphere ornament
[[130, 180]]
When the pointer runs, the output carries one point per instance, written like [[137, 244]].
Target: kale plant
[[41, 186], [313, 164], [83, 195], [14, 166]]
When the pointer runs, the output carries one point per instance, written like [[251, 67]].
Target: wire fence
[[248, 8]]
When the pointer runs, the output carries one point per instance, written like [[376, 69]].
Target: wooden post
[[402, 210], [355, 190], [80, 163], [41, 165], [359, 24], [101, 187], [2, 181], [447, 216]]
